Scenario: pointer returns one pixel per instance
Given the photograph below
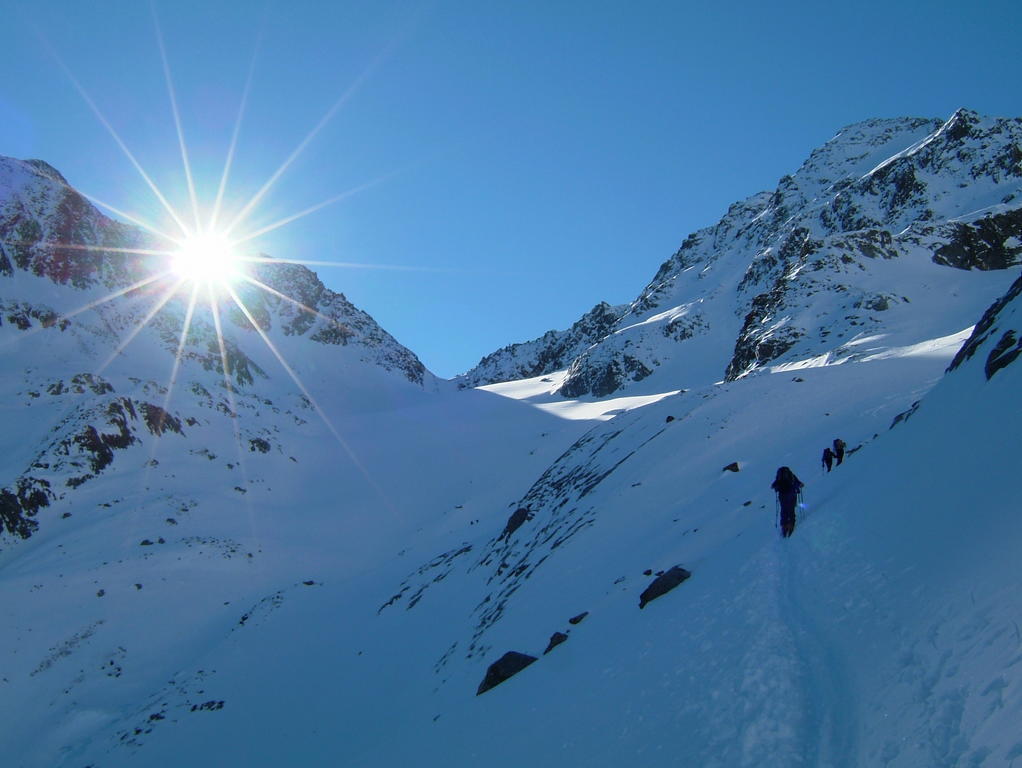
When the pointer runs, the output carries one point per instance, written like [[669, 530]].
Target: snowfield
[[235, 561]]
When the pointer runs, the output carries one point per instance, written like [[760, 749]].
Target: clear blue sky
[[534, 157]]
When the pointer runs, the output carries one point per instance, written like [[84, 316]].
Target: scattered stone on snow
[[507, 666], [663, 584], [555, 640]]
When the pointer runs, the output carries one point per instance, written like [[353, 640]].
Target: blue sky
[[524, 160]]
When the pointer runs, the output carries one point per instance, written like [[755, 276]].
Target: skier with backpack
[[839, 450], [828, 458], [788, 489]]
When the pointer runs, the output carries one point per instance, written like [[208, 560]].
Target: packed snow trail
[[830, 740]]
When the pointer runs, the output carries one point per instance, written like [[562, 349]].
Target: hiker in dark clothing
[[839, 450], [828, 458], [787, 487]]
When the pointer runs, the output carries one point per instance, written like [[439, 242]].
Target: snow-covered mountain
[[336, 559], [812, 267], [91, 347], [553, 351]]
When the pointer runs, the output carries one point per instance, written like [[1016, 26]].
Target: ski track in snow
[[830, 720]]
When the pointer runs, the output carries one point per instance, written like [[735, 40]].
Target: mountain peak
[[800, 272]]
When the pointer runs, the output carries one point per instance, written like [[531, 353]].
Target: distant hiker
[[828, 458], [839, 450], [788, 487]]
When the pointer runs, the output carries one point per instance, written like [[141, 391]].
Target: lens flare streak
[[186, 326], [298, 382], [285, 297], [168, 294], [177, 116]]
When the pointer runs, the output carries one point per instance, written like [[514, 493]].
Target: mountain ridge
[[878, 190]]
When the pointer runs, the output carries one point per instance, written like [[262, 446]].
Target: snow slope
[[883, 632], [319, 570]]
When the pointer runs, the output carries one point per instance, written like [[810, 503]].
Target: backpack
[[786, 481]]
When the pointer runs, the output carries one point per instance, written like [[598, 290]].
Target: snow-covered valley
[[317, 564]]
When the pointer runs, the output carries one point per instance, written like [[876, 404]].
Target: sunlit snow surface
[[541, 391]]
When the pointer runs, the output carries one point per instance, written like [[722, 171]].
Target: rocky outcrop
[[999, 332], [518, 518], [555, 640], [663, 584], [994, 242], [504, 668]]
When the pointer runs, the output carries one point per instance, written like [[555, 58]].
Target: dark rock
[[906, 415], [158, 421], [985, 244], [258, 444], [669, 419], [555, 640], [577, 619], [732, 467], [602, 378], [663, 584], [507, 666], [517, 519], [1004, 353], [648, 572], [145, 543], [208, 706]]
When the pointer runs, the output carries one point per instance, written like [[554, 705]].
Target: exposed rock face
[[555, 640], [991, 243], [507, 666], [811, 256], [663, 584], [999, 333], [553, 351], [518, 518]]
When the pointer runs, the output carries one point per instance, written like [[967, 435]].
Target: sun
[[208, 259]]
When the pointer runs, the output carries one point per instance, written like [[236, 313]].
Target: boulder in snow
[[663, 584], [508, 665]]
